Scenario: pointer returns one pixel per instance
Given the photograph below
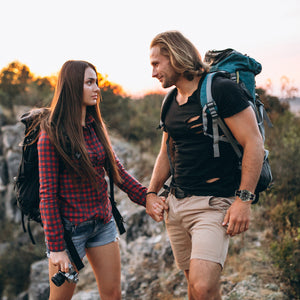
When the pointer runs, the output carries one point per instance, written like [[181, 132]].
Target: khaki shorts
[[194, 226]]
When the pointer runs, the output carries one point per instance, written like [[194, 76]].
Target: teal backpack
[[242, 69]]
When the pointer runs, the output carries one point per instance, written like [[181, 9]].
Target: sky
[[115, 35]]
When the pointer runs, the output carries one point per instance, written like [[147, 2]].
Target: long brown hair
[[184, 56], [63, 124]]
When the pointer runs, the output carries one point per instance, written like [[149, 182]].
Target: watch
[[245, 195]]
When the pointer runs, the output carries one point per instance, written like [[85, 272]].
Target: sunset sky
[[115, 35]]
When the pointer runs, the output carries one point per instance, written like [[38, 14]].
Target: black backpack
[[242, 69], [27, 179]]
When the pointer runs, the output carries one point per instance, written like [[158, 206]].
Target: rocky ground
[[149, 273]]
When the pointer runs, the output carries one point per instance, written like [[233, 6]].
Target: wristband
[[151, 193]]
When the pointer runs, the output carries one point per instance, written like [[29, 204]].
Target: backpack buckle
[[212, 109]]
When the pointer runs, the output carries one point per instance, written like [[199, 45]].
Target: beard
[[170, 80]]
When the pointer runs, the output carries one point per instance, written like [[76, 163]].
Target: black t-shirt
[[193, 160]]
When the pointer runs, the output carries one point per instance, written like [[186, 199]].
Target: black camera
[[59, 278]]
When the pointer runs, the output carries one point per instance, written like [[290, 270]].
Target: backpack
[[26, 183], [242, 69]]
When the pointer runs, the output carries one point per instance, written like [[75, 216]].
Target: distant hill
[[294, 105]]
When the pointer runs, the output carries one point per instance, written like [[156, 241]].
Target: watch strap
[[245, 195]]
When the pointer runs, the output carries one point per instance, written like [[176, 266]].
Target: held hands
[[237, 217], [61, 260], [155, 207]]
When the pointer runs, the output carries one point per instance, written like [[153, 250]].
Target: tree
[[288, 91], [272, 104], [13, 81], [18, 86]]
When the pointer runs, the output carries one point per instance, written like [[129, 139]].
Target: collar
[[89, 119]]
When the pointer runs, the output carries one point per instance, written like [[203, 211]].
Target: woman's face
[[90, 88]]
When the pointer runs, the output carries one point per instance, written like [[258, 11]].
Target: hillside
[[264, 263], [148, 269], [295, 106]]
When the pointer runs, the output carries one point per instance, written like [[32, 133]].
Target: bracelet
[[151, 193]]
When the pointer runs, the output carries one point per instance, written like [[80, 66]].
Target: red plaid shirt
[[61, 197]]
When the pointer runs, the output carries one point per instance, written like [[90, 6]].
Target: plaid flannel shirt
[[61, 197]]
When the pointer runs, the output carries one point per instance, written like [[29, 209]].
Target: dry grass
[[248, 255]]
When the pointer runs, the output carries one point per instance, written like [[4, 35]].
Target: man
[[203, 208]]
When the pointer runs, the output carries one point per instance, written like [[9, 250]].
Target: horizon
[[115, 36], [142, 93]]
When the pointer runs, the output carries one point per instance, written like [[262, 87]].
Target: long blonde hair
[[63, 124], [184, 56]]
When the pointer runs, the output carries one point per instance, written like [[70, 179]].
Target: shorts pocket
[[68, 226]]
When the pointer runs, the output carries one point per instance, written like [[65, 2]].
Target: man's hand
[[237, 217], [155, 207]]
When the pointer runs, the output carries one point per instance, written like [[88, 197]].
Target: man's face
[[162, 69]]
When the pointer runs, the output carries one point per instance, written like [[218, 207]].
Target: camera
[[60, 277]]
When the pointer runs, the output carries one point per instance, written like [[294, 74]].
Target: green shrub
[[285, 244], [285, 215], [286, 256], [283, 141]]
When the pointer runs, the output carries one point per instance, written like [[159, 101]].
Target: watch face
[[245, 195]]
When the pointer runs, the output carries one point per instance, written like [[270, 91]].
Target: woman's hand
[[61, 260], [155, 207]]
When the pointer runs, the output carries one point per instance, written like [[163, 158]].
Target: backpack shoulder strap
[[209, 106], [165, 106]]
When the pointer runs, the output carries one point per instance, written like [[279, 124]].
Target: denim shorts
[[91, 233]]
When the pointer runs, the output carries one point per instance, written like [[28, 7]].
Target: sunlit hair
[[64, 127], [183, 55]]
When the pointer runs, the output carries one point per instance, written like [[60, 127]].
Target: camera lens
[[58, 279]]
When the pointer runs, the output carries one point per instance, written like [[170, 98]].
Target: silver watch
[[245, 195]]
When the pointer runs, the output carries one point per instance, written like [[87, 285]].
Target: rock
[[11, 210], [39, 283], [272, 286], [4, 178], [12, 136], [13, 159], [3, 118], [87, 295], [140, 224], [277, 296], [22, 296], [3, 247]]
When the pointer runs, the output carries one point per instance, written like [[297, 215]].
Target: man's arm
[[244, 127], [161, 172]]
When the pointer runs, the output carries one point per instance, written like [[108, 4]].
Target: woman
[[74, 154]]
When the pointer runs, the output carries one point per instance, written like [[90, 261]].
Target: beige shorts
[[194, 226]]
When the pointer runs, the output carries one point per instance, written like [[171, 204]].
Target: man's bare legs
[[203, 280]]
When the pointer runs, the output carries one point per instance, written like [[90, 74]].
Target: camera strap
[[73, 252], [117, 215]]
